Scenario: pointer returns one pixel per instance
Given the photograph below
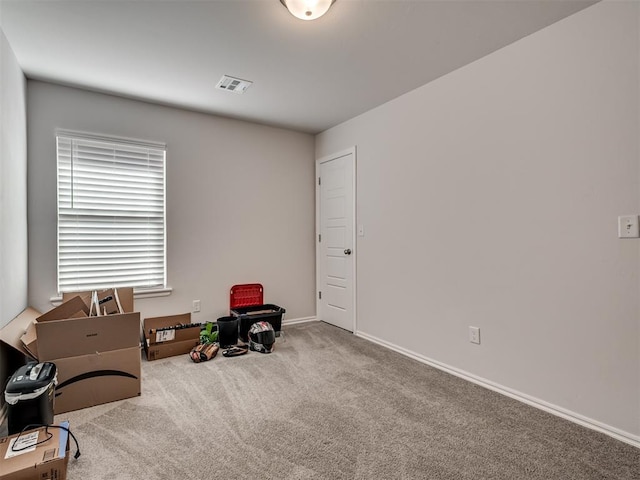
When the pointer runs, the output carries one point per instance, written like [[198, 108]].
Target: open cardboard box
[[44, 461], [110, 299], [161, 341], [98, 358]]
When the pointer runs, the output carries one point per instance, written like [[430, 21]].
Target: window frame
[[114, 142]]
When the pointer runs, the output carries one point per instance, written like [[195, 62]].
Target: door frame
[[319, 162]]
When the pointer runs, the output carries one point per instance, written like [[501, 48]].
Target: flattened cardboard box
[[47, 461], [170, 342], [93, 379], [98, 358]]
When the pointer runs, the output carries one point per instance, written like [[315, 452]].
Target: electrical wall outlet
[[628, 226], [474, 335], [196, 306]]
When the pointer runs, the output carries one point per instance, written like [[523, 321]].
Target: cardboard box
[[107, 298], [98, 358], [94, 379], [46, 461], [161, 341]]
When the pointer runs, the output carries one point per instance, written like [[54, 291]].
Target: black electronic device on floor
[[29, 395]]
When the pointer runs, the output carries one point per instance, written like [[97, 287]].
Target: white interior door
[[336, 256]]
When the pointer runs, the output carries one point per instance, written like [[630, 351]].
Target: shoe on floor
[[235, 351]]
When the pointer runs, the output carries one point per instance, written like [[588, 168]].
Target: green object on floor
[[208, 334]]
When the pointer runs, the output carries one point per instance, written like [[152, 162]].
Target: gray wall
[[240, 200], [13, 185], [13, 200], [490, 197]]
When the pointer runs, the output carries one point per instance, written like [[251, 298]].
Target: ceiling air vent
[[232, 84]]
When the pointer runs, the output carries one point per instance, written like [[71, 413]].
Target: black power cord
[[49, 436]]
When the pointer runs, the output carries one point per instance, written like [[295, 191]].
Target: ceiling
[[308, 76]]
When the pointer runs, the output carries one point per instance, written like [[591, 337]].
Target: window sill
[[142, 293]]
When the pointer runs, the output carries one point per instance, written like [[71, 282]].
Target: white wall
[[13, 202], [13, 185], [490, 198], [240, 200]]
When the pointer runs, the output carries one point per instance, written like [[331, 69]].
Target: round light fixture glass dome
[[307, 9]]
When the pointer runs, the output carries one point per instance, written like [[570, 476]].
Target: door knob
[[347, 251]]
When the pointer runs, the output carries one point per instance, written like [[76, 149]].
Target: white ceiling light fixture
[[307, 9]]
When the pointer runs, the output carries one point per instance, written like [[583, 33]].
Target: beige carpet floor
[[329, 405]]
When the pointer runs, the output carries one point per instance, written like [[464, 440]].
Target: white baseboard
[[293, 321], [618, 434]]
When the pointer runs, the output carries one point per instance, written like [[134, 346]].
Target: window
[[111, 213]]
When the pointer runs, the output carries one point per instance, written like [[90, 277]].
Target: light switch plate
[[474, 335], [628, 226]]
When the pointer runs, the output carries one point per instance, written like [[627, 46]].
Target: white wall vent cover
[[232, 84]]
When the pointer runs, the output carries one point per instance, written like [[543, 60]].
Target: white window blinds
[[111, 213]]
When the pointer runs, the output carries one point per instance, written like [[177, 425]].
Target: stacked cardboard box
[[98, 357]]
